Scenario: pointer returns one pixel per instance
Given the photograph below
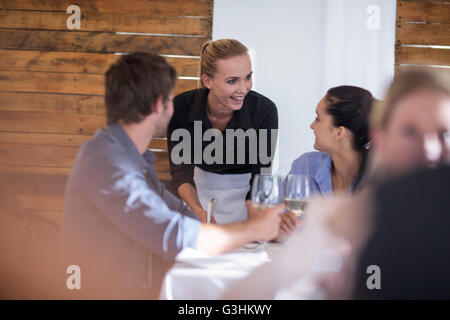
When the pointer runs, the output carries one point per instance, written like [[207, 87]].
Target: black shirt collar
[[198, 107], [241, 118]]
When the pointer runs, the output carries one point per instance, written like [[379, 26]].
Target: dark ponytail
[[350, 107]]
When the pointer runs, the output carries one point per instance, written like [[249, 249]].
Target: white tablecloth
[[196, 276]]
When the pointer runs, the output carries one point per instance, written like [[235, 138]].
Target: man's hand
[[264, 223], [289, 223]]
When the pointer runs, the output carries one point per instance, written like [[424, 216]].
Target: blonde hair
[[212, 51], [404, 83]]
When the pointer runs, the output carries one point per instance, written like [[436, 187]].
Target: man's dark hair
[[134, 83]]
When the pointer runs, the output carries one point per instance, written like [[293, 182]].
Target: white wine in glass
[[297, 192], [261, 206], [298, 207]]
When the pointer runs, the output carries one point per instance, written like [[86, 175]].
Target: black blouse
[[257, 112]]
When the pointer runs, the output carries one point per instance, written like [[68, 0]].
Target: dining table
[[197, 276]]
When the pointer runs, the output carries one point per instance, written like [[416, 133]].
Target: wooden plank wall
[[51, 77], [423, 34]]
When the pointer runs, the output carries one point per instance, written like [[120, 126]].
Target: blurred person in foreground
[[410, 243], [121, 226], [409, 130]]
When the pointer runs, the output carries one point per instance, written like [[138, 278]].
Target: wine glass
[[266, 193], [297, 192]]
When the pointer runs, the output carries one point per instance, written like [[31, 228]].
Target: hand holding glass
[[266, 193]]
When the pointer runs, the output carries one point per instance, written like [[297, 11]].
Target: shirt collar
[[143, 161], [198, 107], [241, 118], [244, 117], [323, 176]]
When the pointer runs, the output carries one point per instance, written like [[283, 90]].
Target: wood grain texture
[[445, 71], [54, 103], [73, 83], [437, 12], [423, 34], [167, 8], [46, 156], [60, 139], [136, 23], [58, 128], [78, 62], [43, 138], [42, 122], [442, 1], [75, 41], [160, 143], [427, 1], [50, 171], [422, 56], [33, 170], [37, 155], [51, 78]]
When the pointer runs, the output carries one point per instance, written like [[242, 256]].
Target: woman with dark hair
[[342, 139], [388, 223], [341, 128]]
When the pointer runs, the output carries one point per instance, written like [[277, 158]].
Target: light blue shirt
[[119, 217], [317, 165]]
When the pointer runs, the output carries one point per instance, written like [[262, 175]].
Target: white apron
[[229, 190]]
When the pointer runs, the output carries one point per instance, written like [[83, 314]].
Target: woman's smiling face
[[230, 83]]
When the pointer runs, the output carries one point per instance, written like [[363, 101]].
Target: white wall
[[301, 48]]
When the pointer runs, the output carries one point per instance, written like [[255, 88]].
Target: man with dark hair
[[136, 83], [121, 226], [408, 254]]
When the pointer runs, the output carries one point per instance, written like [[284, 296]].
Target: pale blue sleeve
[[122, 194], [305, 165], [301, 165]]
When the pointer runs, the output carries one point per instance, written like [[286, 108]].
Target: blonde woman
[[227, 104]]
